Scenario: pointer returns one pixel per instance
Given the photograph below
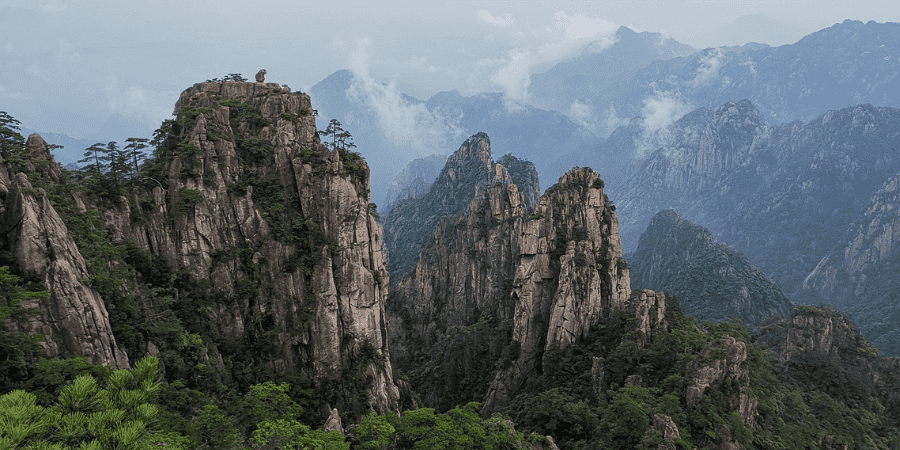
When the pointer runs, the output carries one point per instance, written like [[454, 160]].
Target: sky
[[104, 69]]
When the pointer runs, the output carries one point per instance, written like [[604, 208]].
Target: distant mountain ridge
[[519, 129], [711, 280], [842, 65]]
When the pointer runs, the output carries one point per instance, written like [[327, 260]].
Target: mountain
[[414, 180], [711, 280], [822, 350], [602, 67], [701, 152], [246, 250], [859, 275], [72, 151], [470, 170], [846, 64], [391, 129], [534, 280]]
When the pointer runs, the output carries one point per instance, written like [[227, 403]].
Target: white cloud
[[659, 111], [514, 77], [146, 106], [583, 27], [580, 113], [502, 22], [417, 131], [708, 70]]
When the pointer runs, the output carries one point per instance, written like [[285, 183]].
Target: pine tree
[[135, 155]]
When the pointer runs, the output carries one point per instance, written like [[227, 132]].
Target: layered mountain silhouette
[[429, 127], [843, 65], [711, 280]]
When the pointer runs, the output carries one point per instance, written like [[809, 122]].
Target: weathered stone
[[261, 76], [597, 375], [334, 422], [666, 426], [73, 317], [731, 366]]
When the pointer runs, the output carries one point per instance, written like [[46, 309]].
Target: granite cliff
[[73, 318], [711, 280], [500, 284], [467, 171], [245, 229], [860, 274]]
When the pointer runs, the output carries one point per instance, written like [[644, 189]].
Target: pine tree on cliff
[[340, 138], [135, 155], [12, 144]]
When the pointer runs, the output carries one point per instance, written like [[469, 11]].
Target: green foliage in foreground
[[561, 403]]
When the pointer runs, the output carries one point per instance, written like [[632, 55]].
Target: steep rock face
[[822, 175], [281, 228], [699, 149], [410, 223], [821, 349], [73, 317], [498, 284], [711, 280], [859, 274]]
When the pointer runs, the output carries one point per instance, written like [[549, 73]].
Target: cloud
[[579, 27], [514, 77], [580, 113], [708, 70], [660, 110], [416, 130], [502, 22], [144, 105], [6, 93]]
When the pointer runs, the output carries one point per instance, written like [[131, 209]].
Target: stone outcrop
[[334, 422], [666, 426], [409, 225], [860, 274], [301, 252], [73, 317], [274, 231], [499, 283], [712, 281], [731, 364], [821, 349]]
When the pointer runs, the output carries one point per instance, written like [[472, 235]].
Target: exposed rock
[[74, 319], [249, 201], [666, 426], [597, 375], [649, 311], [413, 181], [409, 225], [821, 349], [860, 274], [732, 365], [634, 380], [711, 280], [334, 422], [726, 440], [500, 284], [261, 76]]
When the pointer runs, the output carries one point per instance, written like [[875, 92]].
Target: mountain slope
[[711, 280]]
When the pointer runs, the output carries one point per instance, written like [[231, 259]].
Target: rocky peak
[[249, 199], [73, 318], [711, 280], [821, 349], [469, 170], [498, 283]]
